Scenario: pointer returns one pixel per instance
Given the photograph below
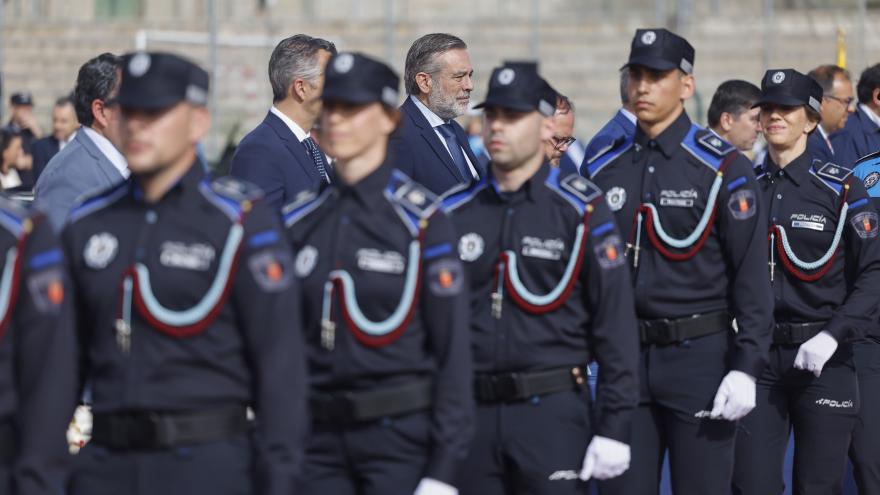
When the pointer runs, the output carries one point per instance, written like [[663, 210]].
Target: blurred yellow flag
[[841, 48]]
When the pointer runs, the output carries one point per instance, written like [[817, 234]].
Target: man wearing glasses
[[838, 102], [861, 134], [563, 121]]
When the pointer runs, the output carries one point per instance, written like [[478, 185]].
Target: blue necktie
[[448, 133], [318, 157]]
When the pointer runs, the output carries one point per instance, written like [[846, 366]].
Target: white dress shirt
[[435, 121], [109, 151]]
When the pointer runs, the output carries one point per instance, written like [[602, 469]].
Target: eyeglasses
[[562, 142], [846, 101]]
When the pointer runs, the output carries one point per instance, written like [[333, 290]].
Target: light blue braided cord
[[841, 222], [701, 226], [554, 294]]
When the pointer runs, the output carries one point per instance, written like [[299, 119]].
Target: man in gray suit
[[91, 162]]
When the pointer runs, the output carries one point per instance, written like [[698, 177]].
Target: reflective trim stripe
[[399, 318], [196, 318], [688, 241]]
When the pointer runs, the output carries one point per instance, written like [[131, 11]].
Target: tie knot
[[310, 143], [447, 129]]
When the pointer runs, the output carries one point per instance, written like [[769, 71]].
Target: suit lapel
[[430, 135], [110, 172], [300, 155]]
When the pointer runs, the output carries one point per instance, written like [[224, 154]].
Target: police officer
[[188, 311], [384, 307], [548, 294], [687, 203], [863, 450], [824, 268], [37, 355]]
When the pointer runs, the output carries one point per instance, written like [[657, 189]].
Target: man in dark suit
[[620, 128], [279, 155], [861, 134], [838, 102], [64, 125], [429, 145]]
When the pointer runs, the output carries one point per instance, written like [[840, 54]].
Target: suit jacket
[[77, 170], [43, 150], [271, 157], [619, 128], [818, 148], [859, 137], [416, 150]]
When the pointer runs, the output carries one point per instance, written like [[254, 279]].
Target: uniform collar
[[670, 139], [529, 191], [798, 170], [190, 180], [368, 188]]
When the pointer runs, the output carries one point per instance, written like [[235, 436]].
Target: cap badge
[[649, 37], [778, 77], [506, 76], [139, 64], [343, 63]]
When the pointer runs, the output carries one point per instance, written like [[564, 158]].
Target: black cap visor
[[781, 99], [654, 63]]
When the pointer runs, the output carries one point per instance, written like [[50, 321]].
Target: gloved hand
[[735, 397], [814, 353], [428, 486], [605, 459]]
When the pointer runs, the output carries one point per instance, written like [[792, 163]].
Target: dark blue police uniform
[[188, 315], [615, 132], [548, 295], [863, 451], [385, 320], [38, 366], [687, 203], [824, 268]]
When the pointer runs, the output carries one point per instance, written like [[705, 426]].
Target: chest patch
[[545, 249], [615, 197], [306, 259], [197, 257], [679, 199], [471, 246], [373, 260], [812, 222], [100, 250]]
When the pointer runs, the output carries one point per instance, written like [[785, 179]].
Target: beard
[[446, 106]]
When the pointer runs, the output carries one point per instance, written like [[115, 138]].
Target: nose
[[468, 83]]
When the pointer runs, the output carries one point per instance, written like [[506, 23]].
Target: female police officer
[[823, 267], [384, 307]]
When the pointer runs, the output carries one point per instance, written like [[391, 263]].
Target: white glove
[[605, 459], [428, 486], [735, 397], [814, 353]]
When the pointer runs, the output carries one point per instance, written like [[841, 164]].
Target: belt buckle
[[663, 333], [506, 386]]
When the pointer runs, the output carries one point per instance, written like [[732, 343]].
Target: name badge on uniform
[[546, 249], [196, 257], [811, 222], [678, 199], [373, 260]]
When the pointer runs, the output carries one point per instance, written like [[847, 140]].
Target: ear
[[98, 112], [688, 86], [726, 121], [200, 124], [423, 79], [875, 97], [297, 90]]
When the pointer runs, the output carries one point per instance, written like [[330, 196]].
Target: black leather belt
[[354, 407], [155, 430], [8, 442], [508, 387], [669, 331], [796, 333]]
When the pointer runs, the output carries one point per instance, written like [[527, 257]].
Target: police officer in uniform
[[687, 203], [548, 295], [863, 451], [384, 307], [825, 270], [187, 311], [37, 355]]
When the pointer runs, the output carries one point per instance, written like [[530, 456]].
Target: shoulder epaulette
[[304, 203], [832, 171], [606, 155], [236, 189], [13, 215], [99, 200], [413, 201], [462, 194], [578, 191], [706, 147]]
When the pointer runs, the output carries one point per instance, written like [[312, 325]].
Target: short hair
[[295, 58], [825, 74], [422, 57], [624, 85], [564, 104], [64, 100], [7, 134], [734, 97], [868, 82], [96, 80]]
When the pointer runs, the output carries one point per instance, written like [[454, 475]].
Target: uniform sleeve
[[266, 298], [46, 364], [862, 254], [444, 308], [742, 226], [614, 328]]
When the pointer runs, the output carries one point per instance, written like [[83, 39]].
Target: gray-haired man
[[430, 146], [279, 155]]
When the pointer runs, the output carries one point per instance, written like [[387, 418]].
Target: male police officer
[[37, 355], [186, 310], [548, 294], [686, 201]]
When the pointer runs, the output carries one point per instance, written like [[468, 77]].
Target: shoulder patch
[[461, 194], [581, 188], [415, 198], [606, 155], [868, 158], [13, 215], [236, 189], [833, 172], [713, 143], [304, 203]]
